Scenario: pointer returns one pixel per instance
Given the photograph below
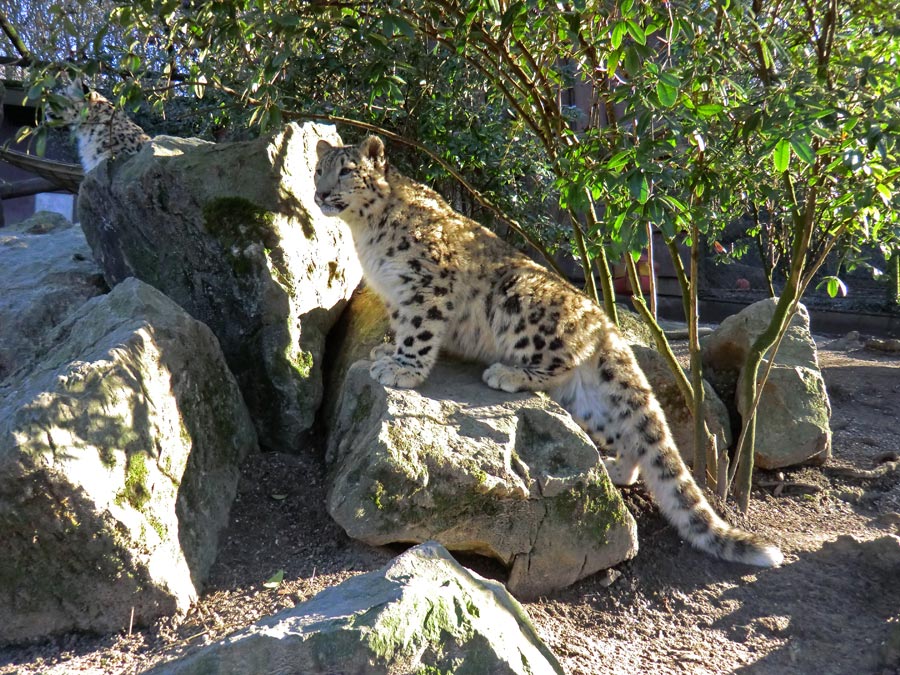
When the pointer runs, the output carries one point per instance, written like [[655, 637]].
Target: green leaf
[[781, 155], [709, 109], [404, 26], [40, 142], [618, 160], [23, 133], [885, 193], [803, 150], [612, 62], [511, 14], [766, 54], [636, 32], [275, 580], [200, 86], [639, 186], [34, 94], [618, 32], [670, 79], [833, 286], [674, 203], [667, 94], [632, 61]]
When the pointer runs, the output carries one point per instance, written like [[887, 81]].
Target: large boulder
[[509, 476], [231, 233], [46, 271], [423, 613], [119, 454], [793, 423]]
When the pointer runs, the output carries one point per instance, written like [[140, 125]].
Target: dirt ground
[[833, 608]]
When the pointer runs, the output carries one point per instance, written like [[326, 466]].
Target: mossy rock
[[504, 475], [119, 456], [423, 614]]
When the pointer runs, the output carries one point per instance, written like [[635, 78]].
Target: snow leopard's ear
[[75, 89], [372, 149], [323, 147]]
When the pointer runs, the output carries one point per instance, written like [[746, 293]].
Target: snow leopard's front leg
[[534, 362], [419, 327]]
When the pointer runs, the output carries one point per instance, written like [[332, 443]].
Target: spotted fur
[[450, 284], [101, 130]]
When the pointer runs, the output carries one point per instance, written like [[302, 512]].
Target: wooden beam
[[26, 188]]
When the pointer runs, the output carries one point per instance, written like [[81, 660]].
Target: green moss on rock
[[135, 491], [592, 506], [247, 235], [303, 363]]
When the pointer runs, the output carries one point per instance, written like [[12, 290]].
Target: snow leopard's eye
[[344, 171], [318, 170]]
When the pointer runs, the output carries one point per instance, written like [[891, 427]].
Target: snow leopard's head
[[350, 180], [72, 105]]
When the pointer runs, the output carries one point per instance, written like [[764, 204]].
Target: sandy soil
[[833, 608]]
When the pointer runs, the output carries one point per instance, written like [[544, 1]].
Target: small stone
[[609, 577]]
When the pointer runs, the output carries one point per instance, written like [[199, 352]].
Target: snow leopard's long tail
[[615, 405]]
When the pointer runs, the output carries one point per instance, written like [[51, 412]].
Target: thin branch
[[13, 35]]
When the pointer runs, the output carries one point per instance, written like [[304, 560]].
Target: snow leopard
[[450, 284], [101, 130]]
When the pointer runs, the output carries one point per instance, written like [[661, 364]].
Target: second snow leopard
[[451, 284], [101, 130]]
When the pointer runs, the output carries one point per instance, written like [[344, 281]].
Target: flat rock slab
[[231, 233], [46, 271], [510, 476], [423, 613], [119, 456]]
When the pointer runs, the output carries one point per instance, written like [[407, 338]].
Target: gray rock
[[119, 454], [793, 424], [727, 346], [678, 414], [363, 325], [423, 613], [793, 420], [41, 222], [231, 233], [43, 277], [634, 329], [505, 475]]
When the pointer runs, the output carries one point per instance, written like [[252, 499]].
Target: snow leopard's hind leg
[[592, 407]]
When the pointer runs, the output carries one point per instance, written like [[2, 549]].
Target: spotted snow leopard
[[101, 130], [450, 284]]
